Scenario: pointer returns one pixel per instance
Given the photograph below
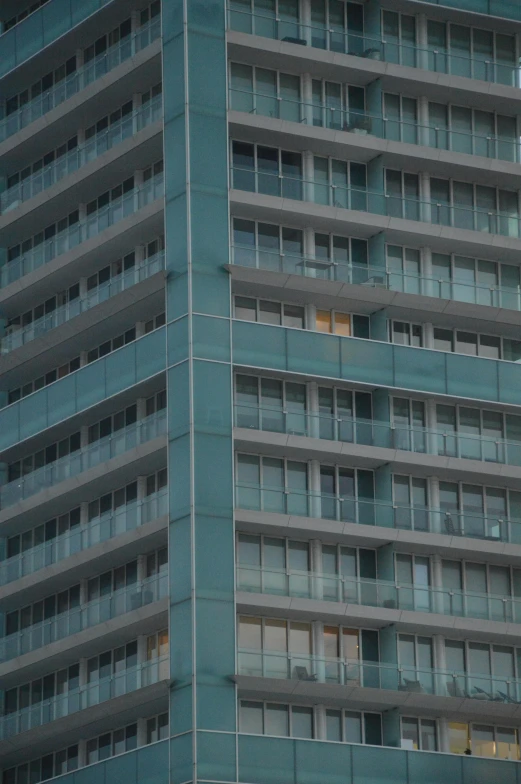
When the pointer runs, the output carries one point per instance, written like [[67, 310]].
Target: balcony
[[64, 313], [371, 275], [390, 128], [379, 675], [469, 523], [459, 216], [101, 529], [96, 453], [63, 705], [73, 160], [377, 593], [84, 617], [390, 50], [80, 79], [83, 230], [372, 432]]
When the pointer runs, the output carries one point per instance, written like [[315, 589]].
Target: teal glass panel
[[206, 131], [373, 765], [181, 750], [179, 410], [266, 760], [150, 354], [485, 771], [29, 37], [216, 756], [121, 769], [510, 9], [179, 456], [434, 768], [210, 293], [181, 656], [419, 369], [214, 544], [266, 346], [55, 22], [216, 621], [124, 368], [216, 706], [7, 52], [88, 775], [311, 352], [9, 426], [152, 763], [33, 415], [213, 476], [318, 761], [472, 377], [61, 401], [90, 387], [177, 341], [210, 248], [363, 360], [177, 296], [211, 338], [80, 9], [181, 577], [175, 176], [509, 386]]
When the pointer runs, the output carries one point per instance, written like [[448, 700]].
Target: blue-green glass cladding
[[202, 618]]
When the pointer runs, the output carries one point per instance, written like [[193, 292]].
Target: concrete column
[[84, 436], [141, 408], [141, 649], [317, 633], [313, 410], [141, 567], [311, 317], [82, 753], [308, 173], [440, 664], [134, 21], [428, 335], [140, 329], [425, 197], [421, 37], [83, 358], [82, 212], [309, 251], [431, 425], [433, 493], [315, 546], [83, 591], [320, 722], [427, 286], [83, 287], [423, 121], [305, 17], [443, 735], [141, 732], [314, 486], [307, 99], [83, 672], [141, 487], [437, 584]]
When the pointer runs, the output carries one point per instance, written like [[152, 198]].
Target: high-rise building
[[260, 418]]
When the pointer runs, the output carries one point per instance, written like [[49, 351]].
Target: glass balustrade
[[378, 675], [81, 537], [384, 127], [73, 160], [372, 432], [94, 693], [74, 308], [329, 194], [81, 78], [437, 59], [96, 453], [378, 593], [83, 230], [372, 275], [83, 617], [368, 511]]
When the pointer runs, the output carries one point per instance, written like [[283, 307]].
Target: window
[[41, 178], [472, 131], [338, 27], [475, 280], [111, 345], [273, 718], [339, 106], [65, 681], [415, 660], [153, 171], [155, 323], [338, 323], [156, 403], [54, 764], [266, 245], [152, 11], [399, 33], [401, 118], [347, 494], [46, 532], [45, 309], [402, 190], [156, 562], [50, 454], [111, 424], [484, 740], [40, 87], [477, 207], [114, 580], [266, 170], [102, 201], [106, 41], [406, 334], [474, 433], [348, 565], [14, 20], [111, 743], [270, 404], [346, 726], [410, 501], [43, 610], [419, 734], [477, 511], [41, 241], [463, 342], [404, 269], [156, 482], [262, 91], [340, 183], [271, 483], [269, 312], [408, 424], [157, 728], [112, 501], [272, 647], [264, 561]]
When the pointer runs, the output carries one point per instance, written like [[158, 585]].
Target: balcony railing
[[82, 537], [83, 230], [487, 145], [378, 593], [437, 59], [73, 160], [372, 432], [77, 306], [81, 78], [94, 693], [390, 205], [469, 523], [96, 453], [379, 675], [374, 275], [83, 617]]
